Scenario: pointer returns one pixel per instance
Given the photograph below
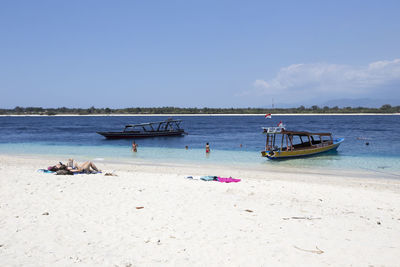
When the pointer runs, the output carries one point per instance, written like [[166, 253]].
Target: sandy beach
[[151, 215]]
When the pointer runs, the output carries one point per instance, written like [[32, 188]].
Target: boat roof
[[152, 123], [305, 133], [279, 130]]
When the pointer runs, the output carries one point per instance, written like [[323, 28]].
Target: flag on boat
[[281, 125], [268, 116]]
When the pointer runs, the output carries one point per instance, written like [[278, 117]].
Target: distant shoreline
[[202, 115]]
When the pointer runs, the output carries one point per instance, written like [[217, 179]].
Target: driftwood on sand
[[302, 218], [317, 251]]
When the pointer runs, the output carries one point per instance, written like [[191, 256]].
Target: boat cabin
[[279, 139]]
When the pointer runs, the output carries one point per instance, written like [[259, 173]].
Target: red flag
[[268, 116], [280, 124]]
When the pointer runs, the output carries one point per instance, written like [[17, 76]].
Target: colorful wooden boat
[[283, 144]]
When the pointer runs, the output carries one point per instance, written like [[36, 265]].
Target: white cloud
[[261, 84], [326, 81]]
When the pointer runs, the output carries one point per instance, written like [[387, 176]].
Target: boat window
[[296, 140], [325, 138]]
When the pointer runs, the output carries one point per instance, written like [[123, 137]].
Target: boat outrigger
[[297, 144], [152, 129]]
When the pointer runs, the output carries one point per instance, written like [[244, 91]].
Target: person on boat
[[290, 146], [207, 148], [134, 147]]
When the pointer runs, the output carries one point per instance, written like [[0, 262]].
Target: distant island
[[384, 109]]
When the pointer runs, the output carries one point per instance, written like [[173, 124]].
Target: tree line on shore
[[176, 110]]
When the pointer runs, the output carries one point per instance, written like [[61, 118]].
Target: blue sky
[[197, 53]]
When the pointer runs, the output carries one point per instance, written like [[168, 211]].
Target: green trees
[[205, 110]]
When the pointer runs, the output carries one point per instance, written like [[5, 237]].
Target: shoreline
[[204, 168], [204, 115], [256, 164], [232, 166], [151, 215]]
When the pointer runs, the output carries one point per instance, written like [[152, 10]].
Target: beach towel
[[208, 178], [193, 177], [93, 172], [214, 178], [44, 171], [227, 180], [69, 173]]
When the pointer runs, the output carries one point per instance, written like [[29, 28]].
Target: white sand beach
[[151, 215]]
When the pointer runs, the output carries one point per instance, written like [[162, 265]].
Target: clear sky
[[80, 53]]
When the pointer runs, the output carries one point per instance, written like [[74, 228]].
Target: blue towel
[[44, 171], [208, 178], [47, 171]]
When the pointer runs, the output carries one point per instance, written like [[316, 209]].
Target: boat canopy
[[159, 125], [152, 123], [279, 130]]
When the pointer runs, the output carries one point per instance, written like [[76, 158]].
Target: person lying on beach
[[87, 167], [72, 164], [73, 167]]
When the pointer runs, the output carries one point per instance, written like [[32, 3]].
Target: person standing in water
[[207, 148], [134, 147]]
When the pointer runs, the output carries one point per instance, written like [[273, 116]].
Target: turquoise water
[[76, 137], [246, 159]]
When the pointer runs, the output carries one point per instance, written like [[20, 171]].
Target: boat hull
[[131, 135], [303, 152]]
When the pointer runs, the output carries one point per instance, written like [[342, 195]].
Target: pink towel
[[227, 180]]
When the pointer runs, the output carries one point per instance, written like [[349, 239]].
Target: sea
[[371, 142]]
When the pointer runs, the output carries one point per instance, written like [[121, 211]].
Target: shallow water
[[76, 136]]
